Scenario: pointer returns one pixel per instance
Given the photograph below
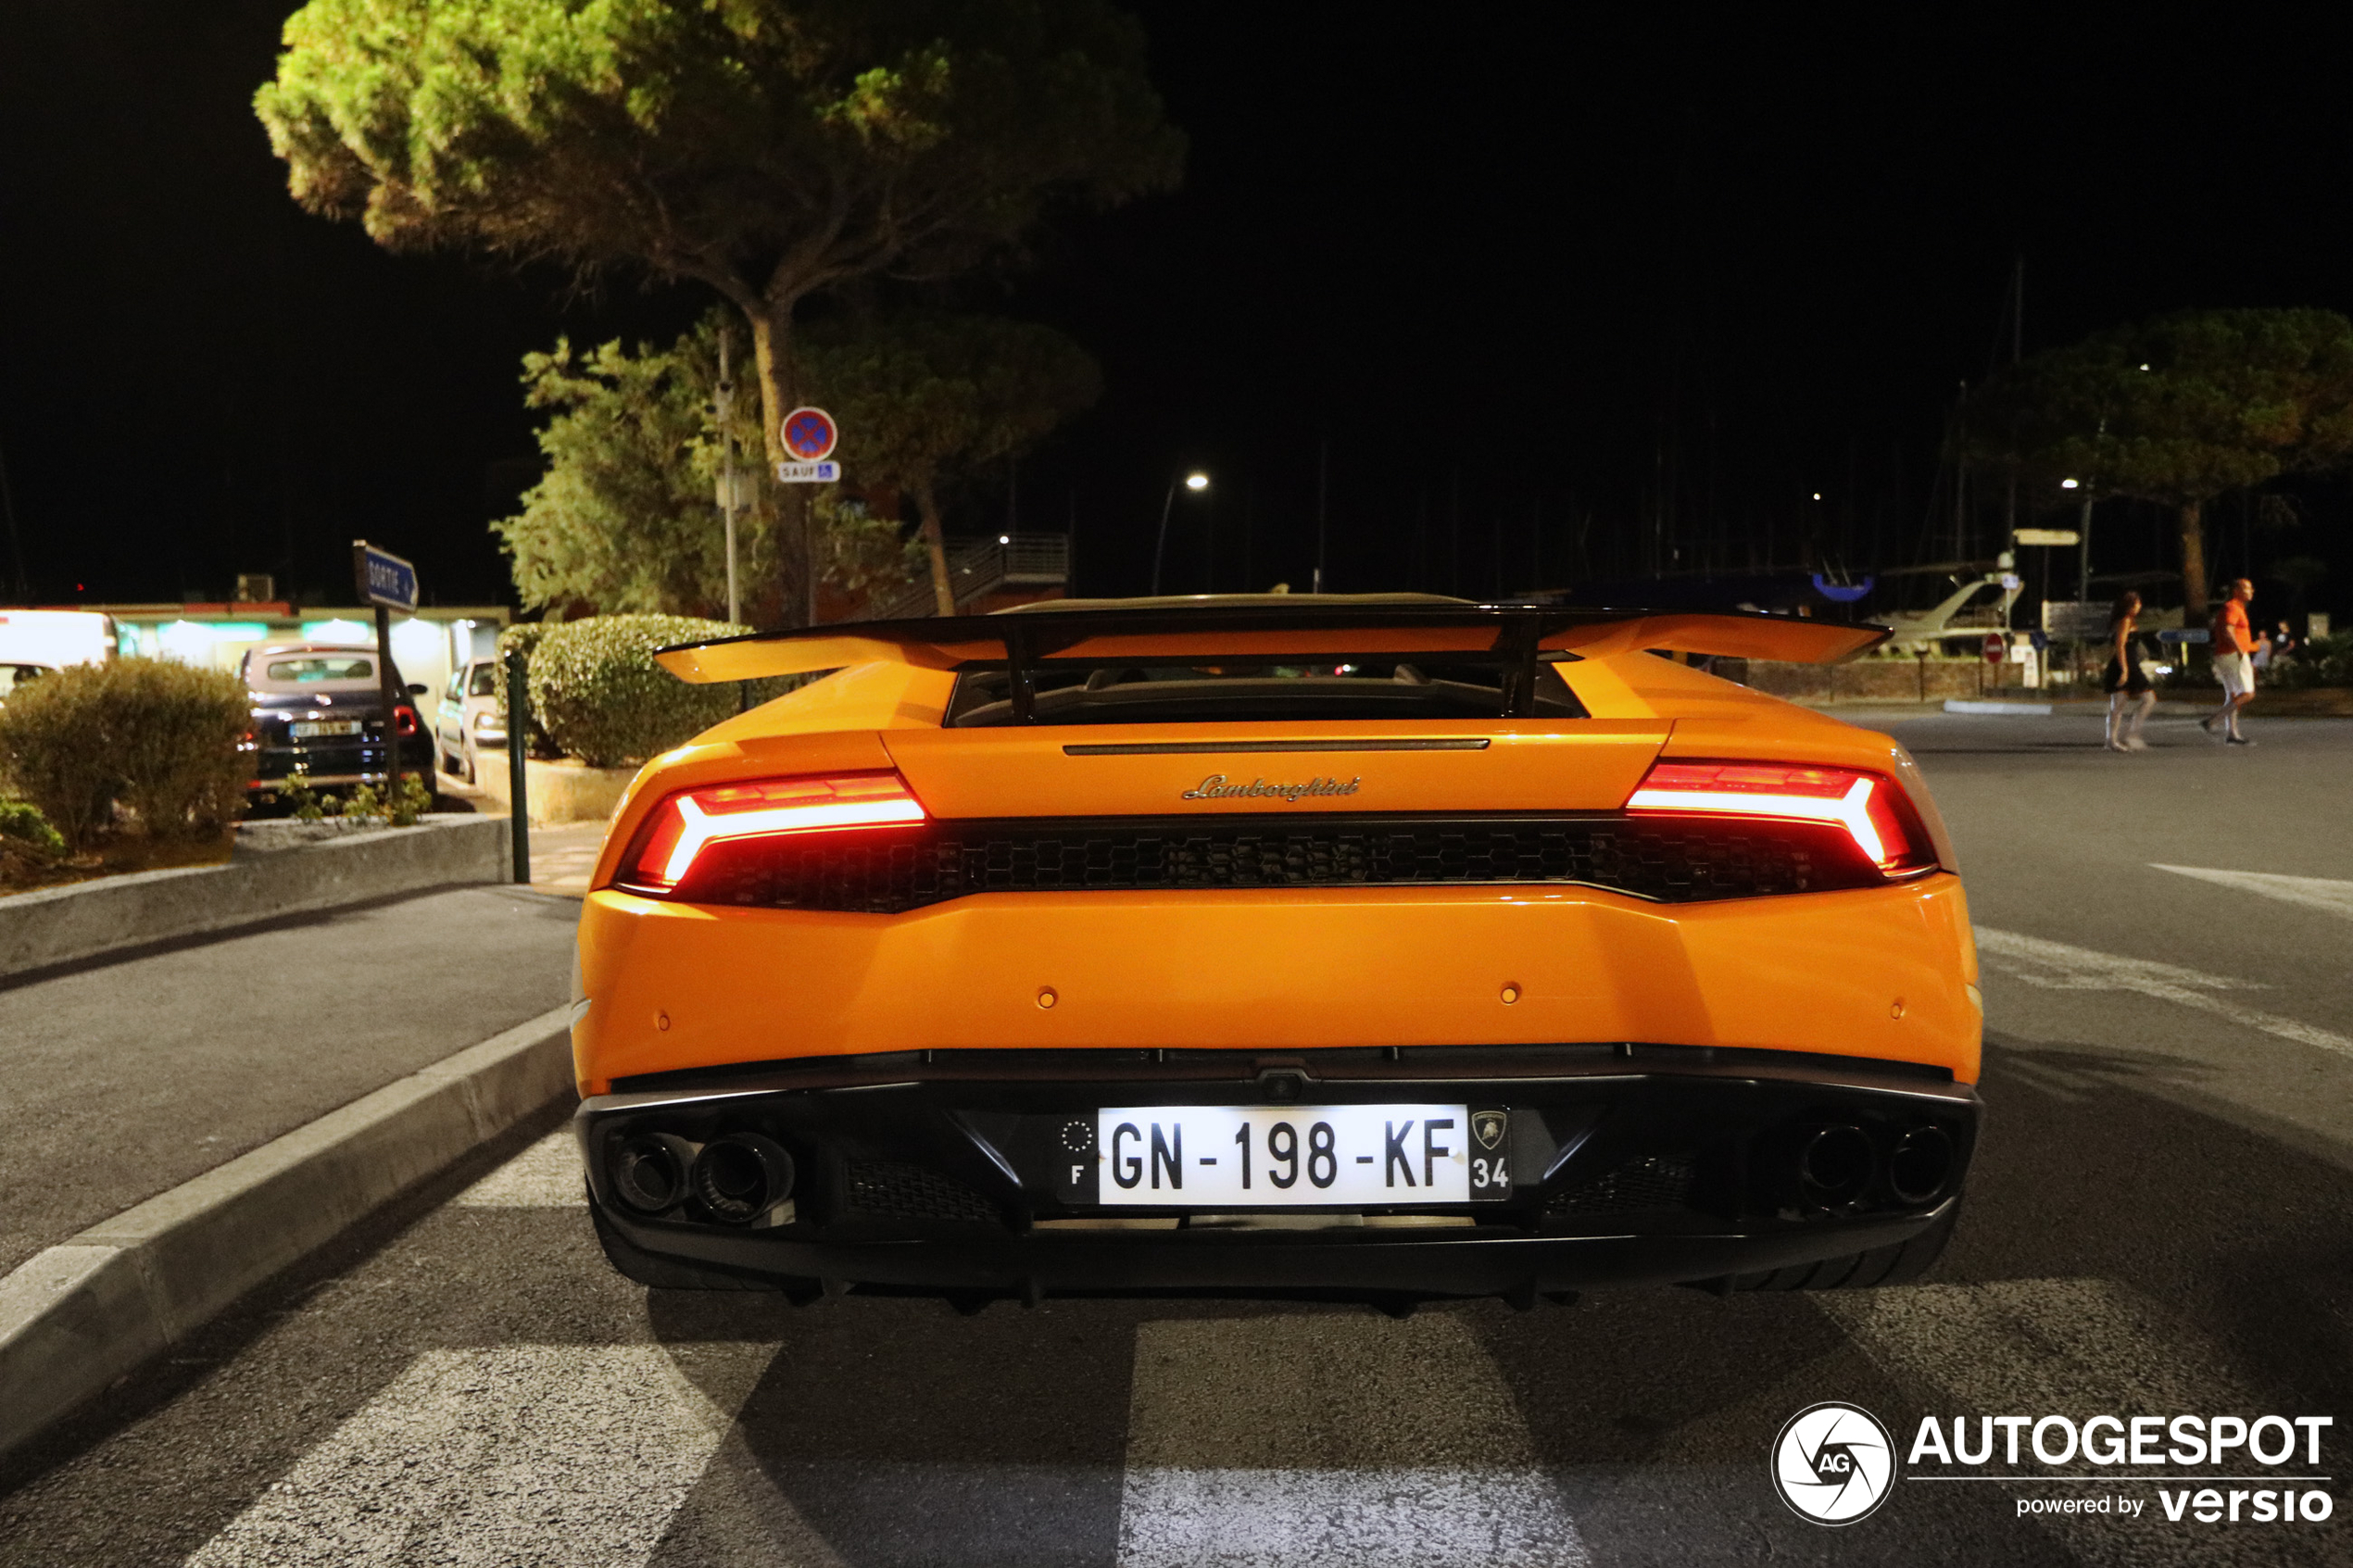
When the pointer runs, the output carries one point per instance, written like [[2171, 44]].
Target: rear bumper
[[1883, 974], [1631, 1165]]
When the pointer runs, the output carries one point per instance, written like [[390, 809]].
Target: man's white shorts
[[2236, 671]]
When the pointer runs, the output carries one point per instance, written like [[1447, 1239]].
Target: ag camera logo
[[1834, 1463]]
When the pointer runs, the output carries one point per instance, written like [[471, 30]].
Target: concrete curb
[[78, 1316], [56, 926]]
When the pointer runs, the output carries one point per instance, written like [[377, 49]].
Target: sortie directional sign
[[384, 578], [389, 583]]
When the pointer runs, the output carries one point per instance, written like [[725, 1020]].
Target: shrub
[[596, 686], [161, 738], [22, 822]]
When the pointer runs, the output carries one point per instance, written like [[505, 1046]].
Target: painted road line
[[2057, 966], [545, 1175], [1331, 1439], [2067, 1347], [2320, 893], [521, 1454], [84, 1312]]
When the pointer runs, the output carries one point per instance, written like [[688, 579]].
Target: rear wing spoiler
[[1024, 641]]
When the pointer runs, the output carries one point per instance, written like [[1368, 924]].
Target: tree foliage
[[2177, 410], [926, 399], [773, 149], [626, 518]]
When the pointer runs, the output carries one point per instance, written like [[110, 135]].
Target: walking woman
[[2127, 682]]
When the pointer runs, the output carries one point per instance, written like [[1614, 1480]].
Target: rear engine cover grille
[[889, 870]]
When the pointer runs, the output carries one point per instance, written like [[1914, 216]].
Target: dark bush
[[163, 740]]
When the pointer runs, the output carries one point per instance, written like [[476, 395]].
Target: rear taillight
[[688, 825], [1873, 811], [404, 720]]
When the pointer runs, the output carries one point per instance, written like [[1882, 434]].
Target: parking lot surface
[[2160, 1222]]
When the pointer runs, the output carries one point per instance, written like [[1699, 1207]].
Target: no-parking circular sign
[[810, 435]]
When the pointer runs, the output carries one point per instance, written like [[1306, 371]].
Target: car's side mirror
[[416, 688]]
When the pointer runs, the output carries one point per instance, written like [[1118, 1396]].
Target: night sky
[[1569, 290]]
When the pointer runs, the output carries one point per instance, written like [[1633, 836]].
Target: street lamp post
[[1195, 482]]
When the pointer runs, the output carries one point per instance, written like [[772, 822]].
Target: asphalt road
[[2157, 1224]]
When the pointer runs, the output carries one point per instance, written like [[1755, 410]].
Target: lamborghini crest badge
[[1489, 1125]]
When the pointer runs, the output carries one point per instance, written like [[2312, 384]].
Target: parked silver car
[[469, 723]]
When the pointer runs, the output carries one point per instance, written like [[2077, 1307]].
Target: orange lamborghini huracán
[[1379, 949]]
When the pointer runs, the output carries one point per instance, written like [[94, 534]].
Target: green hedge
[[164, 740], [595, 688]]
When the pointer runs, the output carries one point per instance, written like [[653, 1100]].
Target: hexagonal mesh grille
[[886, 871]]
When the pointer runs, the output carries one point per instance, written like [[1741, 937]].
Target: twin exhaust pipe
[[736, 1178], [1837, 1165]]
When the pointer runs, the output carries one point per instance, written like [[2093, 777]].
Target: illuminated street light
[[2067, 484], [1195, 482]]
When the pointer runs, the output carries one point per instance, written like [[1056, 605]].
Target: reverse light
[[686, 824], [1871, 809]]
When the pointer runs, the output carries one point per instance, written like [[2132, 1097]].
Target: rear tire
[[1899, 1264]]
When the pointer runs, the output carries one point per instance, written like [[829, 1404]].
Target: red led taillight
[[686, 824], [404, 720], [1871, 808]]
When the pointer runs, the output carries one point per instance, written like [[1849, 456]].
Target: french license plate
[[312, 729], [1299, 1156]]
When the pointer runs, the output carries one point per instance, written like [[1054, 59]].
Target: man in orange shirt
[[2233, 662]]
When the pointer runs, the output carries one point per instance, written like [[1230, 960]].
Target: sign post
[[518, 768], [389, 583]]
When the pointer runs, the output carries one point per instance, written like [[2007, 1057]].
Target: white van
[[34, 642]]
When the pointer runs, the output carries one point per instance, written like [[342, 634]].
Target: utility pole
[[726, 399], [1323, 496]]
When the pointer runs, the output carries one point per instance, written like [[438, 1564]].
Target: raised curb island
[[78, 1316], [275, 871]]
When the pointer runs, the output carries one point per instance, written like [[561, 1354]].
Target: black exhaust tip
[[1835, 1165], [649, 1171], [742, 1177], [1921, 1163]]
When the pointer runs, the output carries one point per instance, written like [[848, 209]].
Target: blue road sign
[[384, 578], [2174, 634]]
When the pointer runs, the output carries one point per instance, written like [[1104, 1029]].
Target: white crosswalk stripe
[[1300, 1441], [564, 1455], [2324, 894], [545, 1175], [2058, 966]]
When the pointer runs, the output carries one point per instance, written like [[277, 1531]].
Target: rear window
[[1448, 686], [321, 667]]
